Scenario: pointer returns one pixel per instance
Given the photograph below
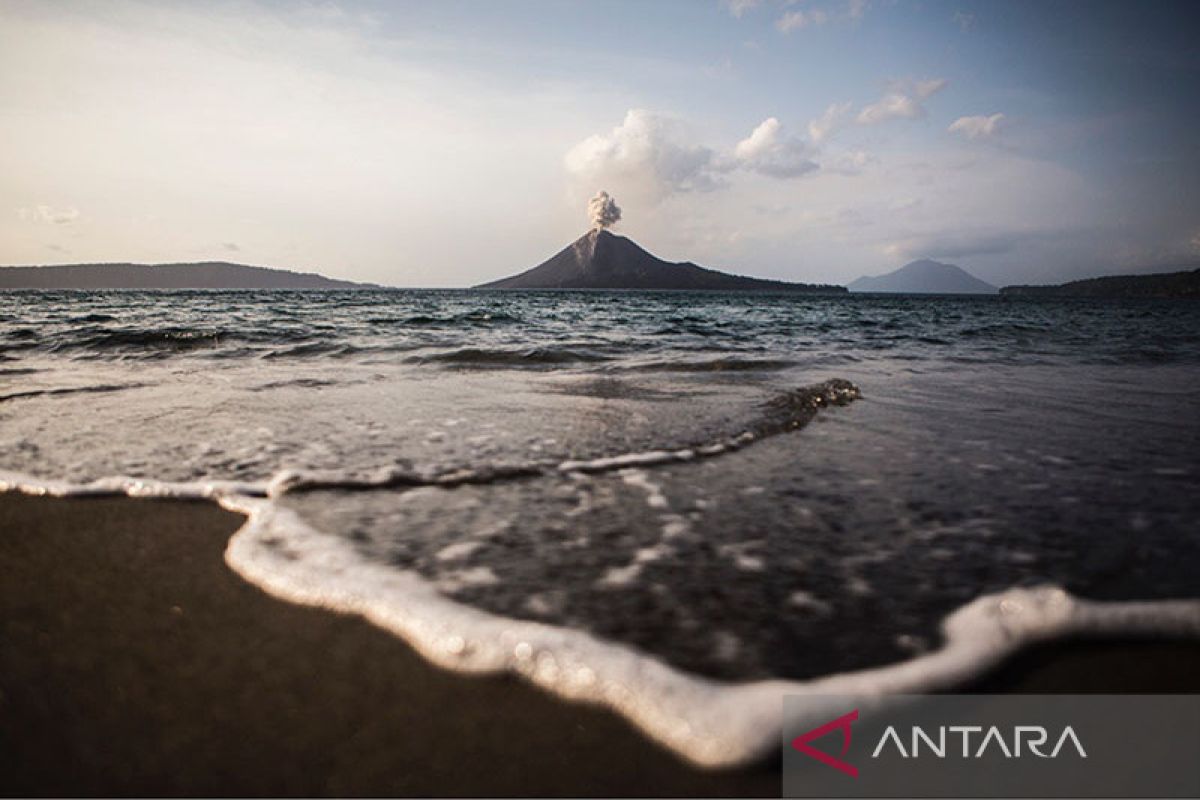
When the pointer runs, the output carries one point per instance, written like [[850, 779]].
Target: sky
[[450, 143]]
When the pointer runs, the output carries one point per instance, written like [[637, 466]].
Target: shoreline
[[136, 662]]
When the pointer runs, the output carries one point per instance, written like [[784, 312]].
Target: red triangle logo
[[842, 723]]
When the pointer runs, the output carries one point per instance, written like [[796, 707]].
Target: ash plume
[[603, 211]]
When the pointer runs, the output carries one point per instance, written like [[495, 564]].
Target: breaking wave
[[517, 357]]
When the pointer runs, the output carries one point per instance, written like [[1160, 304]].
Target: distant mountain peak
[[924, 276], [601, 259]]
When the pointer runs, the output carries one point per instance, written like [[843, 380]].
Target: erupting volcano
[[603, 260]]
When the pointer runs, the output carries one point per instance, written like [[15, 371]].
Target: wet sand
[[134, 662]]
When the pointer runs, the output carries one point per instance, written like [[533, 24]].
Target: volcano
[[603, 260]]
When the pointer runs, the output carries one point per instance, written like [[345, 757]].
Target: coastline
[[136, 662]]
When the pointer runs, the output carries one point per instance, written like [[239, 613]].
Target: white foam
[[621, 576], [133, 487], [647, 459], [741, 559], [654, 493], [466, 578], [710, 723], [458, 550]]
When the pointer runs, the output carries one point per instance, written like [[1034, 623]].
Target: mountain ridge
[[603, 260], [924, 276], [182, 275], [1185, 283]]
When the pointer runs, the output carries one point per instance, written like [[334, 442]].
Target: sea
[[678, 505]]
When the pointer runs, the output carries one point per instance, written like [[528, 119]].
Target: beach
[[135, 662]]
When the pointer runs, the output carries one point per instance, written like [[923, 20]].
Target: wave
[[311, 349], [114, 387], [499, 357], [477, 317], [297, 383], [156, 342], [710, 723], [782, 413], [727, 364]]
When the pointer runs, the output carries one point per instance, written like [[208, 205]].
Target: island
[[1163, 284], [924, 277], [603, 260], [203, 275]]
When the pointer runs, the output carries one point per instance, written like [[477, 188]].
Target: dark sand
[[133, 661]]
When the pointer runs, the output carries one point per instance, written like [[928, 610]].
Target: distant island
[[603, 260], [203, 275], [1163, 284], [924, 277]]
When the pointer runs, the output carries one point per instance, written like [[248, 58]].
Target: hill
[[1163, 284], [603, 260], [924, 277], [205, 275]]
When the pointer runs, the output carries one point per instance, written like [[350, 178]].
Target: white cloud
[[48, 214], [852, 11], [903, 101], [649, 158], [852, 162], [643, 156], [740, 7], [928, 88], [856, 9], [800, 19], [769, 151], [830, 120], [981, 126]]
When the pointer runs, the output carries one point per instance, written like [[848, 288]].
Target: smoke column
[[603, 211]]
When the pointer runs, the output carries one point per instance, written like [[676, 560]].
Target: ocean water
[[675, 504]]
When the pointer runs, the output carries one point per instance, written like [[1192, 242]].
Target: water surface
[[998, 443]]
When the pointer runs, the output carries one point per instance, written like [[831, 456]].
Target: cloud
[[903, 101], [48, 214], [977, 127], [648, 157], [852, 162], [830, 120], [769, 151], [961, 244], [798, 20], [740, 7], [852, 11], [643, 155]]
